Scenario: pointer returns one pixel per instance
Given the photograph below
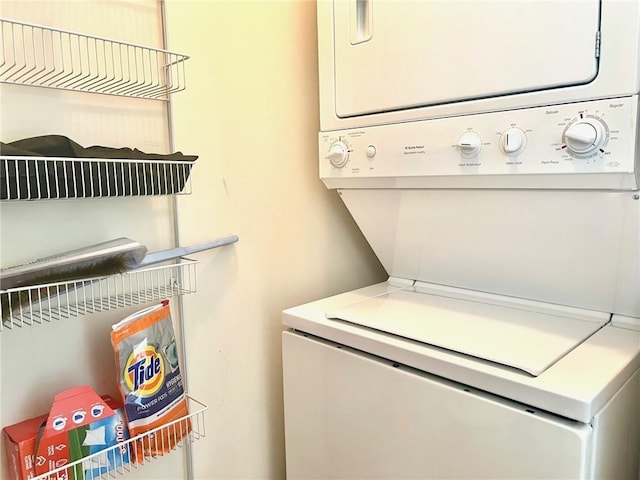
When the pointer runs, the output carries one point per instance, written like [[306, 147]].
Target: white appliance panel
[[512, 335], [576, 248], [443, 51], [616, 452], [352, 415], [526, 148]]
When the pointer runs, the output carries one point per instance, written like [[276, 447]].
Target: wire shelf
[[42, 56], [37, 178], [33, 305], [112, 461]]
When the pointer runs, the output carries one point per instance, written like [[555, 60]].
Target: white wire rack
[[33, 305], [36, 178], [42, 56], [113, 462]]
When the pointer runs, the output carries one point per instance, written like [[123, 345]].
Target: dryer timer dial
[[585, 136]]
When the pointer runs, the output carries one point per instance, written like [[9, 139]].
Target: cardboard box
[[79, 424], [105, 434], [20, 446]]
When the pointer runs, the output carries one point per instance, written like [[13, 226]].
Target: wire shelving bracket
[[37, 178], [110, 461], [42, 56], [37, 304]]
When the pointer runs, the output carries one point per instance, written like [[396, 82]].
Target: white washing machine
[[374, 396], [489, 152]]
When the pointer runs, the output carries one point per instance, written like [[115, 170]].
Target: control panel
[[578, 145]]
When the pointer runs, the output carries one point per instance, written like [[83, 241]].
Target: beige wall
[[251, 112]]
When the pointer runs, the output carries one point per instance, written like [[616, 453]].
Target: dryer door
[[393, 55]]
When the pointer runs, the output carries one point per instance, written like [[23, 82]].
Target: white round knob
[[371, 151], [513, 141], [338, 154], [469, 144], [584, 136]]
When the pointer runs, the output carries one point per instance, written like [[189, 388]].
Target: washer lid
[[509, 335]]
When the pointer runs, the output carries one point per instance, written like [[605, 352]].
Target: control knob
[[469, 144], [513, 141], [338, 154], [584, 136]]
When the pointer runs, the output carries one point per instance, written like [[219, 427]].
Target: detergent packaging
[[80, 426], [81, 423], [20, 447], [150, 381]]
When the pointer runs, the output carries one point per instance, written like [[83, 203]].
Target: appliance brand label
[[414, 149], [357, 133]]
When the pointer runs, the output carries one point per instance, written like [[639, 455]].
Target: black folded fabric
[[150, 174], [61, 146]]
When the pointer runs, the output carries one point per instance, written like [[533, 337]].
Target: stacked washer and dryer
[[490, 154]]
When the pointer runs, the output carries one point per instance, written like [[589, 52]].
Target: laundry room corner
[[250, 111], [430, 264]]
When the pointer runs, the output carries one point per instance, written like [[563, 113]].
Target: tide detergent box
[[80, 424], [20, 446]]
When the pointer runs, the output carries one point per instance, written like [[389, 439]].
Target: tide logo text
[[144, 372]]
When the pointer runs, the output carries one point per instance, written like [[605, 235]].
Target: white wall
[[251, 112]]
